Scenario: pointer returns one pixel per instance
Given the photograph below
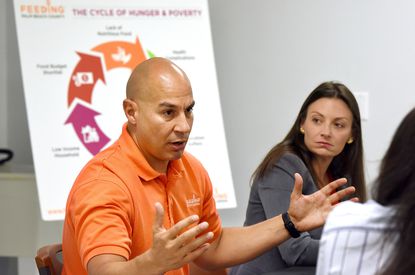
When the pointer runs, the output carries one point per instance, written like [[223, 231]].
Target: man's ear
[[130, 110]]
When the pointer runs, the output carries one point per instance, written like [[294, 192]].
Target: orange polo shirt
[[110, 209]]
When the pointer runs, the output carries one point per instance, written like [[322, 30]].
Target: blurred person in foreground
[[377, 237]]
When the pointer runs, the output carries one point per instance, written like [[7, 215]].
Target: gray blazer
[[270, 197]]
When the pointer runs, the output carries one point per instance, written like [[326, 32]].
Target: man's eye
[[168, 113], [189, 110]]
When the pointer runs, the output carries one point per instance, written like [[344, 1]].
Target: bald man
[[145, 206]]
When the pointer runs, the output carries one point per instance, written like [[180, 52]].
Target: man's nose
[[183, 124]]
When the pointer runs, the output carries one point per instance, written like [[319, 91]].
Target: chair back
[[49, 259]]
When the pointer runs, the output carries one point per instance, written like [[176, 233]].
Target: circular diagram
[[90, 69]]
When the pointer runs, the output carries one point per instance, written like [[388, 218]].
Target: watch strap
[[289, 225]]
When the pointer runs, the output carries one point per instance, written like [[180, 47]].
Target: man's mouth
[[178, 145]]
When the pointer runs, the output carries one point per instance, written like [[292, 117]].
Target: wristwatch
[[289, 225]]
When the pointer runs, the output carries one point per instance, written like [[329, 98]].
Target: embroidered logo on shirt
[[194, 201]]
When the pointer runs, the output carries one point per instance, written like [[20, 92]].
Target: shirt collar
[[139, 162]]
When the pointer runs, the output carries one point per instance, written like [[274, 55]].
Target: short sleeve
[[101, 215]]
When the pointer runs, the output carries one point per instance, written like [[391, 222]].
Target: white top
[[353, 240]]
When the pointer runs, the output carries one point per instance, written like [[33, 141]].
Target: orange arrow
[[121, 54], [84, 77]]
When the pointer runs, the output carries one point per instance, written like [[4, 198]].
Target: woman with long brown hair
[[325, 143]]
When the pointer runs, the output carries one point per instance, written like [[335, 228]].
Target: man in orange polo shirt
[[144, 206]]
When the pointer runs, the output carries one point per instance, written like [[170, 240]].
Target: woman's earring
[[302, 130], [350, 140]]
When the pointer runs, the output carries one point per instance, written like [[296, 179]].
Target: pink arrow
[[88, 131]]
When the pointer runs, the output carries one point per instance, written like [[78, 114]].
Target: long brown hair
[[349, 163]]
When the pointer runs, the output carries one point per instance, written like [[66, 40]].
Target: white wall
[[3, 86], [269, 55], [14, 131]]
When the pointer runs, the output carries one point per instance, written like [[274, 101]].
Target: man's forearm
[[108, 264], [241, 244]]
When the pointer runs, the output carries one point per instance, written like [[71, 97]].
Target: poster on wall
[[76, 57]]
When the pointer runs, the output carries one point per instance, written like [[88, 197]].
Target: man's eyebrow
[[167, 105], [191, 104], [170, 105]]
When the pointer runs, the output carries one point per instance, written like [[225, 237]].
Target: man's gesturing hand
[[176, 246], [310, 211]]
